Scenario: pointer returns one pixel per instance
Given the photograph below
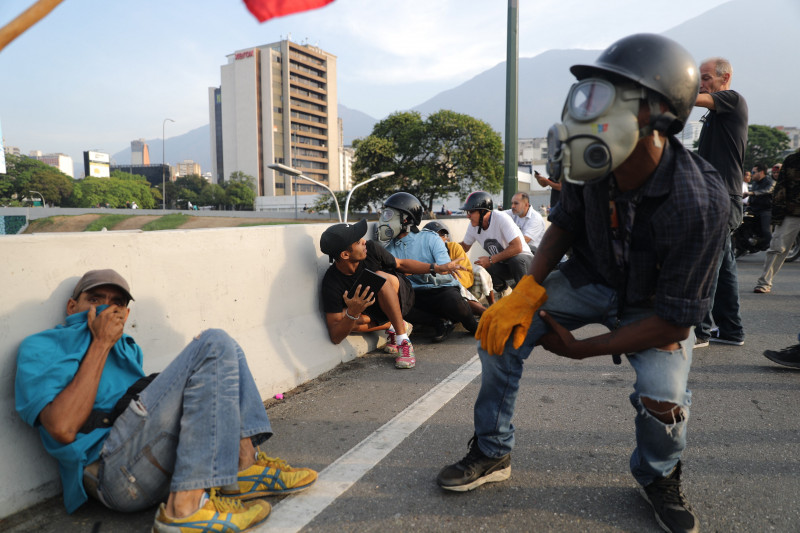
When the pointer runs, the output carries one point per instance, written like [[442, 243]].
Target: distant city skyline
[[97, 75]]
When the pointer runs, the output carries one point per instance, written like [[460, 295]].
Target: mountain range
[[757, 36]]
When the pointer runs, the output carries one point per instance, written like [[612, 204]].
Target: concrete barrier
[[260, 284]]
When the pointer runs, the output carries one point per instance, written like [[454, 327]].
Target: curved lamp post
[[163, 157], [40, 196], [294, 172], [379, 175]]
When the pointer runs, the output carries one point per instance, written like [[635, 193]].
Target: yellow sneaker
[[271, 476], [223, 515]]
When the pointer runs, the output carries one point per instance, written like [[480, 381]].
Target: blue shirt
[[679, 223], [428, 247], [46, 363]]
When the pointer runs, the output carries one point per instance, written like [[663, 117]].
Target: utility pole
[[512, 88]]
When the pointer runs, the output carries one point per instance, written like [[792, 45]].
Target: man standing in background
[[722, 143]]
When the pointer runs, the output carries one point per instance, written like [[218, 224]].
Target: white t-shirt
[[497, 237], [532, 225]]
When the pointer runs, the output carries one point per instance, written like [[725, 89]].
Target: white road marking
[[295, 512]]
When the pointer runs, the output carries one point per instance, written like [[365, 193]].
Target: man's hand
[[449, 268], [362, 298], [510, 315], [482, 261], [107, 327], [558, 340]]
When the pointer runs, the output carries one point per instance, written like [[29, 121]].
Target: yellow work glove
[[510, 315]]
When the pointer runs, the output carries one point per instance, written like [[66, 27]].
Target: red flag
[[267, 9]]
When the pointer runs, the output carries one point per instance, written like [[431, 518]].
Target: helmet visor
[[589, 99]]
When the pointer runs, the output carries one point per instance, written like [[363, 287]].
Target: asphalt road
[[574, 436]]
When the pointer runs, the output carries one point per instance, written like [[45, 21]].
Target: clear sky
[[96, 74]]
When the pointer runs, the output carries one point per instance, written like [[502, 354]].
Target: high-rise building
[[62, 162], [277, 103], [187, 168], [140, 152]]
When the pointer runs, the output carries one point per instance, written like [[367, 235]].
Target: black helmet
[[478, 200], [407, 203], [656, 63], [436, 226]]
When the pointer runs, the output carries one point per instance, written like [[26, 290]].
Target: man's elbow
[[62, 434]]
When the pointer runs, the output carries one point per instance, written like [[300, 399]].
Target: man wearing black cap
[[133, 441], [349, 307]]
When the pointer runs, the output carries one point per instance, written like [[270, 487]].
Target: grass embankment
[[172, 221], [107, 222]]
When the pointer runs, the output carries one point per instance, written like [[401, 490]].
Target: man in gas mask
[[438, 301], [631, 194]]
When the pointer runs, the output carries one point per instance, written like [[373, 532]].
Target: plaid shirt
[[671, 232]]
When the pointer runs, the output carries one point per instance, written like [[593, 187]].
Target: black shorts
[[406, 296]]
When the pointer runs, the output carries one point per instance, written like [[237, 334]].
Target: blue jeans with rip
[[660, 375], [183, 432]]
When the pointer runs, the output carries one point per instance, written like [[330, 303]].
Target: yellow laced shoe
[[220, 515], [271, 476]]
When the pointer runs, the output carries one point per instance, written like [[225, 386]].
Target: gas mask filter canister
[[599, 130]]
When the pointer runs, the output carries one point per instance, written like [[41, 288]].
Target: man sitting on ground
[[467, 277], [350, 308], [438, 298], [495, 231], [188, 435]]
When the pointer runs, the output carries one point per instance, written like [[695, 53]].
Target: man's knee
[[666, 412]]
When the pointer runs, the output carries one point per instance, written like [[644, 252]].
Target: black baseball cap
[[338, 238]]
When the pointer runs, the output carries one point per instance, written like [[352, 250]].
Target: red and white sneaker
[[405, 357], [391, 342]]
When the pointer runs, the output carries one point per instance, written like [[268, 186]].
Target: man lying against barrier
[[631, 194], [188, 435]]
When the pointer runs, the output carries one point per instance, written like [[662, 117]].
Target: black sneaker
[[474, 470], [787, 357], [672, 510], [442, 331]]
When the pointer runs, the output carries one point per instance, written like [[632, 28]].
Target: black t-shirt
[[722, 143], [335, 283]]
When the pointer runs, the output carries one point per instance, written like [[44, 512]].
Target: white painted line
[[295, 512]]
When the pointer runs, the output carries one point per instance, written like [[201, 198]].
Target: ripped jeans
[[183, 432], [660, 375]]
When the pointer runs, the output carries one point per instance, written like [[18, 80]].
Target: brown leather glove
[[511, 315]]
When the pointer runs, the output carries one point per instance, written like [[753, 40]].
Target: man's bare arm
[[69, 410]]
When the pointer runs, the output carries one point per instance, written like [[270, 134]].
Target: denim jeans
[[183, 432], [660, 375], [725, 300]]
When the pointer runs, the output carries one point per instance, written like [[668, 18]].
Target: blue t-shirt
[[46, 363], [428, 247]]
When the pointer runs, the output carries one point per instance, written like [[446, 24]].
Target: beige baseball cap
[[95, 278]]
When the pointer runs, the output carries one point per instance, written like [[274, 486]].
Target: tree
[[446, 153], [765, 145], [240, 190], [119, 190], [25, 174]]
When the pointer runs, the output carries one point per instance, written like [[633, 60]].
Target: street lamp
[[294, 172], [40, 196], [163, 157], [385, 174]]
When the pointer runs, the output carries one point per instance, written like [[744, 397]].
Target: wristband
[[490, 259], [351, 317], [433, 269]]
